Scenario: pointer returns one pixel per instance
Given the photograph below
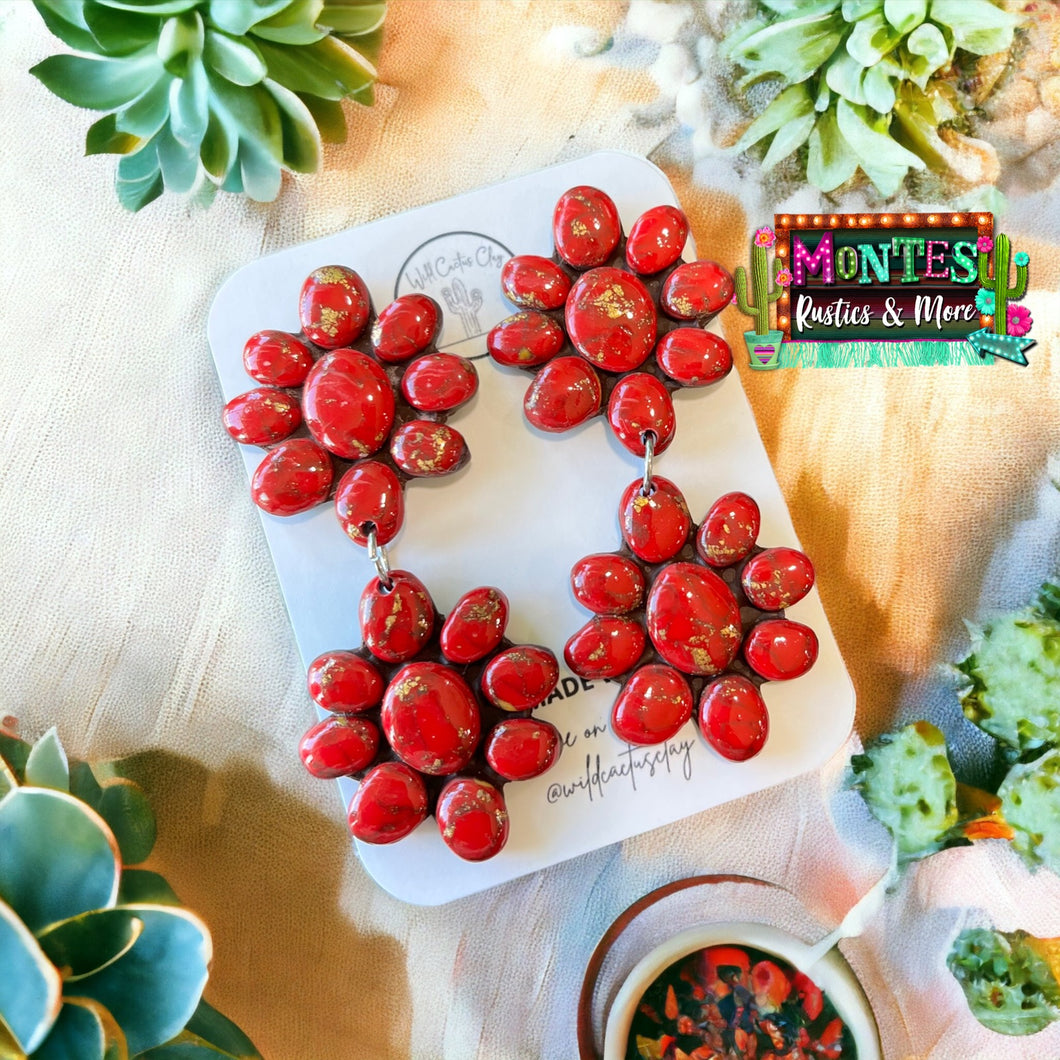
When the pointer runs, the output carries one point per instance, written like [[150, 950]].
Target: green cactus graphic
[[998, 283], [759, 309]]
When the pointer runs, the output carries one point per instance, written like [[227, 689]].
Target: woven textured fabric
[[142, 614]]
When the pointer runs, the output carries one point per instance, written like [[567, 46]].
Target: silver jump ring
[[377, 554], [648, 438]]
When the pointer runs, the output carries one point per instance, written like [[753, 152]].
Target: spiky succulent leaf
[[1007, 979], [85, 1030], [46, 765], [223, 92], [908, 784], [30, 988], [1030, 803], [208, 1036], [1012, 686]]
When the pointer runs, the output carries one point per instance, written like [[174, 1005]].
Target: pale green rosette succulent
[[97, 961], [1030, 804], [212, 93]]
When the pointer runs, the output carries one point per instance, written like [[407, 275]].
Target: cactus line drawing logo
[[461, 271]]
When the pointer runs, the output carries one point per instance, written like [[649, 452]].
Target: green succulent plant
[[99, 960], [212, 93], [863, 81]]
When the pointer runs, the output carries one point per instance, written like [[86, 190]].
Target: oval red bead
[[261, 416], [390, 803], [348, 404], [777, 578], [423, 448], [525, 339], [654, 527], [606, 646], [729, 531], [476, 626], [370, 494], [534, 282], [333, 306], [277, 358], [640, 403], [343, 682], [733, 717], [656, 239], [520, 678], [607, 583], [585, 227], [696, 290], [693, 619], [655, 702], [522, 748], [564, 394], [339, 746], [431, 718], [396, 623], [611, 319], [439, 382], [405, 327], [472, 818], [780, 650], [694, 357], [293, 477]]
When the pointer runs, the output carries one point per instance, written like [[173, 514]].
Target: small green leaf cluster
[[863, 81], [217, 93], [100, 961]]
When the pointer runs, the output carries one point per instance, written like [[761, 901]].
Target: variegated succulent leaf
[[217, 92]]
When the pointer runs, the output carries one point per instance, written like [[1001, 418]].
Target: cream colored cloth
[[143, 615]]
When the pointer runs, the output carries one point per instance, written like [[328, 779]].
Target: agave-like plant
[[216, 93], [97, 961], [864, 85]]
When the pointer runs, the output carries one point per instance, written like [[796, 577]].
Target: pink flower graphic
[[783, 277], [765, 237], [1019, 320], [985, 244]]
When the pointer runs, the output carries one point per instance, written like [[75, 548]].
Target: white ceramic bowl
[[832, 974]]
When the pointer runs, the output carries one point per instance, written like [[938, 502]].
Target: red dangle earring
[[432, 714], [689, 618]]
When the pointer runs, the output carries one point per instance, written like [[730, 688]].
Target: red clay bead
[[334, 306], [585, 227], [693, 619], [607, 583], [655, 702], [396, 623], [611, 319], [694, 357], [261, 416], [606, 646], [475, 626], [423, 448], [348, 404], [439, 382], [525, 339], [343, 682], [777, 578], [277, 359], [293, 477], [729, 531], [733, 717], [472, 818], [431, 718], [564, 394], [654, 527], [370, 493], [656, 239], [780, 650], [641, 403], [520, 678], [534, 282], [405, 327], [522, 748], [390, 803], [696, 290], [339, 746]]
